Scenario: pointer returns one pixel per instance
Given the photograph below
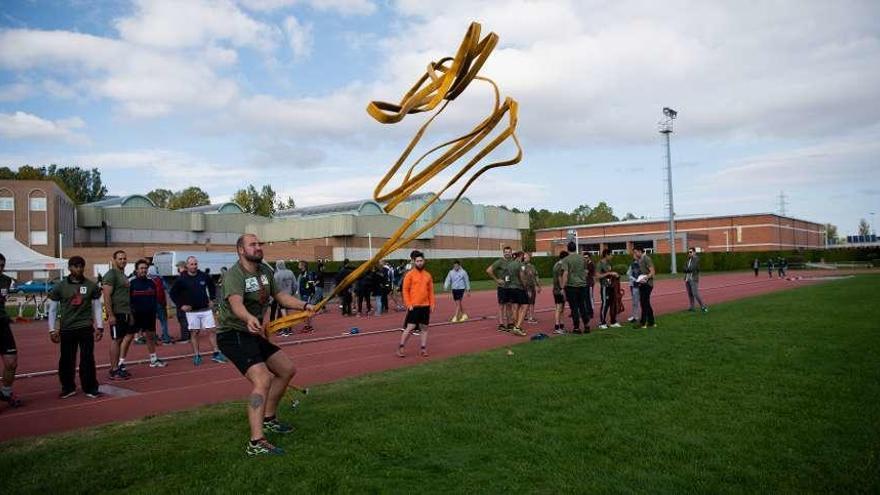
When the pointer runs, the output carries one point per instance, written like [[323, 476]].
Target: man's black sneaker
[[11, 399], [275, 426], [262, 447]]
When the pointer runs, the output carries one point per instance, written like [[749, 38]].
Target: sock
[[153, 357], [121, 362], [254, 442], [267, 419]]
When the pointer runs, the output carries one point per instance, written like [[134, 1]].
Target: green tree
[[82, 186], [602, 213], [26, 172], [629, 216], [864, 227], [285, 205], [188, 198], [260, 202], [161, 197], [6, 173], [831, 233]]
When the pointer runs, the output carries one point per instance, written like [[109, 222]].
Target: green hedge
[[710, 261]]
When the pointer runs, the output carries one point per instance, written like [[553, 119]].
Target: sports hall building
[[752, 232], [36, 212]]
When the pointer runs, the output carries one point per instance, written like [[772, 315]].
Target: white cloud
[[193, 23], [299, 36], [15, 91], [21, 125], [344, 7]]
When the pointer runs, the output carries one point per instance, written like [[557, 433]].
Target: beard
[[254, 258]]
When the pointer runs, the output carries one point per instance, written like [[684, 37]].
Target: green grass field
[[776, 394]]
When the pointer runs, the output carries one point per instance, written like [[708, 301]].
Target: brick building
[[751, 232], [34, 213]]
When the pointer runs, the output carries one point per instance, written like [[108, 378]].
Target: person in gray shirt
[[692, 281], [284, 280]]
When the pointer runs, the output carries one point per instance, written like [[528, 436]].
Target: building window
[[739, 234], [38, 204], [7, 204], [39, 238], [7, 235]]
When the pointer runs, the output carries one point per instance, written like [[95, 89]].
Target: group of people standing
[[779, 264]]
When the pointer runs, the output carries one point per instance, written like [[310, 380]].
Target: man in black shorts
[[8, 351], [79, 300], [516, 293], [117, 304], [498, 272], [558, 294], [248, 288], [418, 297]]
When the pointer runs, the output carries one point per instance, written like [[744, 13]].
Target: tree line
[[85, 186]]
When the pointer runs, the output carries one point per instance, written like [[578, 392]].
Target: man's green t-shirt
[[645, 265], [605, 267], [255, 288], [557, 276], [574, 264], [5, 285], [514, 268], [120, 298], [75, 299], [499, 268]]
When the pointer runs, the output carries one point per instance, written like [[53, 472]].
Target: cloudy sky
[[772, 96]]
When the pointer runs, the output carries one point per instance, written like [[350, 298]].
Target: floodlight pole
[[666, 129]]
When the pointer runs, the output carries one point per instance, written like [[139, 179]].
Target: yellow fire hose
[[443, 81]]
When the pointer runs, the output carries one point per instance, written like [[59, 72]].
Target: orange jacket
[[418, 288]]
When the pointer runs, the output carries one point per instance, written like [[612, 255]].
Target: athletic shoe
[[652, 326], [631, 319], [464, 317], [94, 395], [518, 331], [167, 341], [123, 373], [158, 363], [275, 426], [705, 309], [576, 330], [454, 319], [114, 375], [307, 329], [559, 331], [68, 394], [603, 326], [615, 325], [218, 357], [140, 340], [183, 341], [11, 399], [197, 360], [423, 352], [416, 332], [262, 447], [502, 328], [531, 320]]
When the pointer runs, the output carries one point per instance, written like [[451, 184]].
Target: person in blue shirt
[[457, 279], [142, 291]]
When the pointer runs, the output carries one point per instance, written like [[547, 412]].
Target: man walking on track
[[284, 280], [457, 280], [193, 292], [8, 350], [607, 294], [574, 282], [692, 281], [418, 297], [118, 308], [81, 326], [756, 265], [247, 289], [646, 285]]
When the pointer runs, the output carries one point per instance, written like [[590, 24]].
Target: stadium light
[[665, 126]]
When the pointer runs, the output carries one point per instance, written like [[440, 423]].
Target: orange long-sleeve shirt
[[418, 288]]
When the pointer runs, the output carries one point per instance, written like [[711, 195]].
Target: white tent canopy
[[22, 258]]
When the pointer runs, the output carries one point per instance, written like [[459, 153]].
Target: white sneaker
[[157, 364], [603, 327], [631, 319], [615, 325]]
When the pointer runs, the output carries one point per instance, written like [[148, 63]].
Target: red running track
[[323, 356]]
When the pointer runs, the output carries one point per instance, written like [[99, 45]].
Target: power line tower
[[783, 202], [665, 128]]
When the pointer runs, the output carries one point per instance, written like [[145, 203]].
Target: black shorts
[[145, 321], [501, 291], [7, 340], [419, 315], [515, 296], [457, 294], [245, 349], [558, 297], [121, 328]]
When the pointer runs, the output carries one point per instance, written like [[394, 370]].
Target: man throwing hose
[[241, 336]]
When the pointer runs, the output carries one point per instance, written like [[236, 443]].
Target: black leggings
[[645, 301], [577, 301], [608, 305], [82, 340]]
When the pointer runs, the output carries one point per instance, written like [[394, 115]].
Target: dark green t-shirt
[[5, 285], [605, 267], [121, 304], [75, 299], [577, 275], [256, 289], [645, 265], [557, 276], [514, 268], [499, 268]]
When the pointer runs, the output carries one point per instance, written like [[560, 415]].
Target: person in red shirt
[[418, 297]]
